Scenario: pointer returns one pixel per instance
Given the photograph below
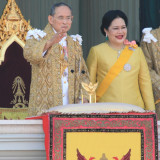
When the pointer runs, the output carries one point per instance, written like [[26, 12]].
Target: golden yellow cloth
[[112, 144], [132, 87], [113, 72], [46, 87]]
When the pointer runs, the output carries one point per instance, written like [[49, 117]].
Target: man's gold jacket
[[46, 88]]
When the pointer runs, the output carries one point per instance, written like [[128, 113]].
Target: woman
[[119, 66]]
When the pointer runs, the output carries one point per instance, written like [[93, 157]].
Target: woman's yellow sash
[[113, 72]]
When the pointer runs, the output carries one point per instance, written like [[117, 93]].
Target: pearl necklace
[[118, 50]]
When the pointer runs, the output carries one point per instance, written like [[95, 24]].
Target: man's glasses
[[68, 19]]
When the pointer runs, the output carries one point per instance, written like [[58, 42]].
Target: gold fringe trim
[[10, 113]]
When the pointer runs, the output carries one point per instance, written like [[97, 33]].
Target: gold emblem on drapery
[[19, 93]]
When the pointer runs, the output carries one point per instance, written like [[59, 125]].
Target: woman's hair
[[52, 12], [109, 17]]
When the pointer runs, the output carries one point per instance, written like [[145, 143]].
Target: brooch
[[127, 67]]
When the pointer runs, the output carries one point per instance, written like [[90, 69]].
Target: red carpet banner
[[131, 136]]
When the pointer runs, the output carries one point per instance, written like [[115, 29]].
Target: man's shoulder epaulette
[[36, 34], [77, 37]]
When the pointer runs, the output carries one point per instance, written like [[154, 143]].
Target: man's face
[[62, 19]]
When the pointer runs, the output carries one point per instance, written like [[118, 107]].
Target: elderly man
[[150, 45], [58, 67]]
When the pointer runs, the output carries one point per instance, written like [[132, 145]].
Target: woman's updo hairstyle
[[109, 17]]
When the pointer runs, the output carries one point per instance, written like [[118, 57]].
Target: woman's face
[[117, 32]]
